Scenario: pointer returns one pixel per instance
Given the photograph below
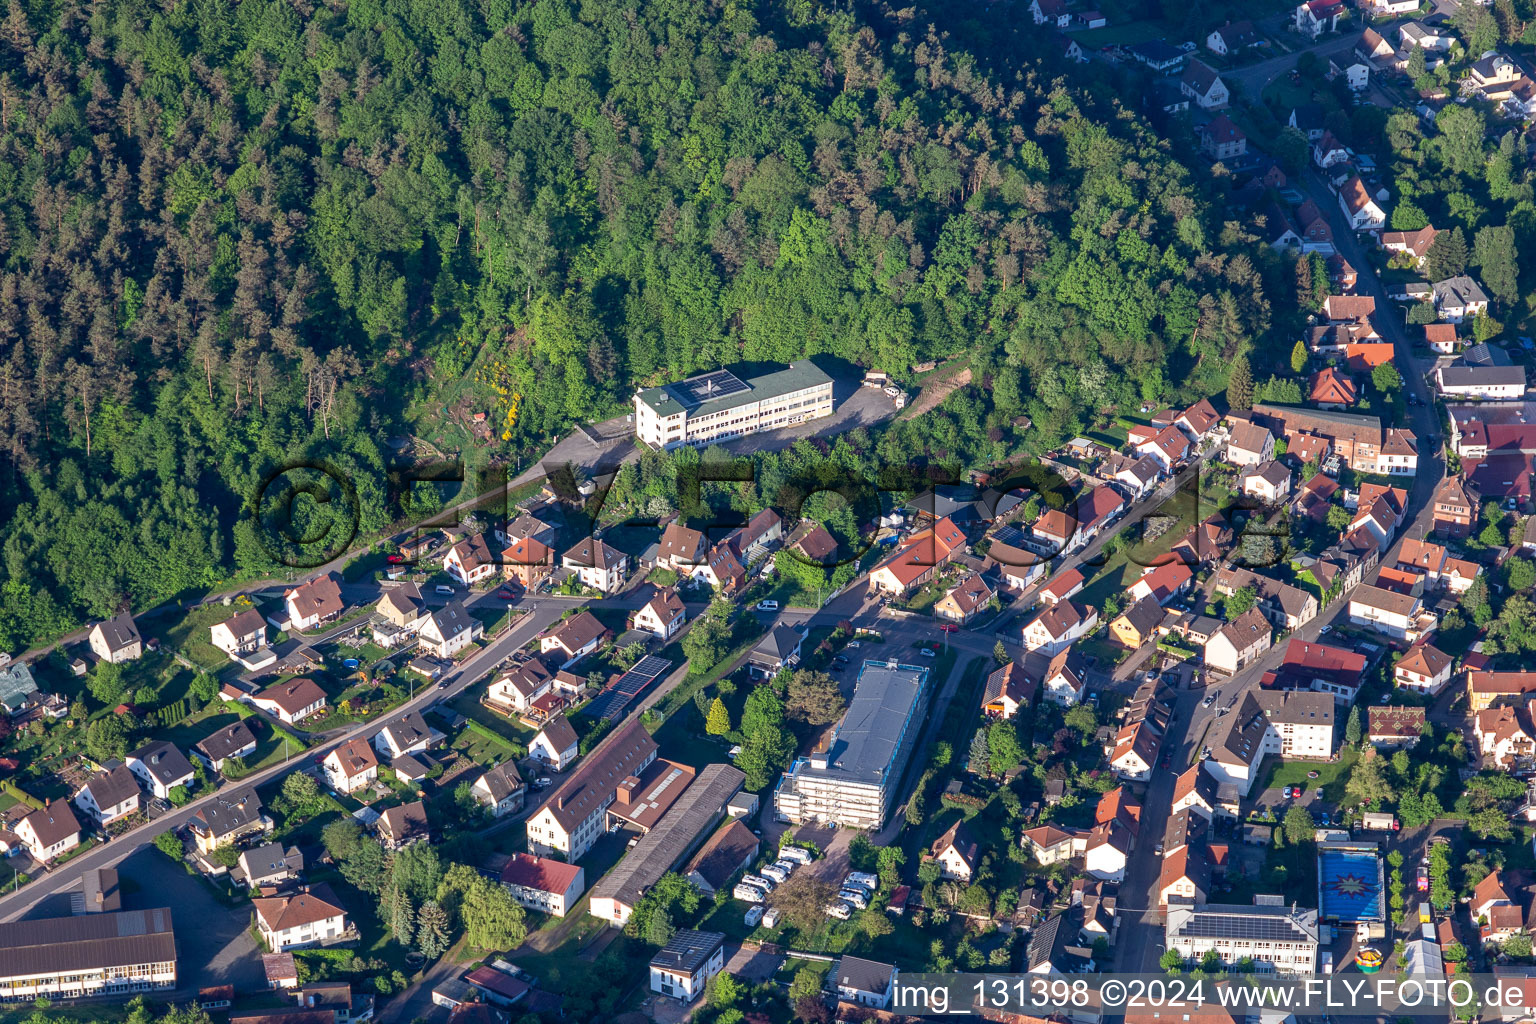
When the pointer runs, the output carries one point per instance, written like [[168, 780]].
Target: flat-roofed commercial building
[[1278, 938], [853, 779], [718, 405], [88, 955]]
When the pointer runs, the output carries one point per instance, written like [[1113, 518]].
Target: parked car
[[928, 653], [767, 606], [853, 897]]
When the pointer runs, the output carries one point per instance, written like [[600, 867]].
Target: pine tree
[[1000, 653], [1240, 384], [1352, 728], [980, 758], [432, 930], [1299, 357], [400, 914], [719, 721], [1447, 255]]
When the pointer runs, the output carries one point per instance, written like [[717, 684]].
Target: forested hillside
[[234, 233]]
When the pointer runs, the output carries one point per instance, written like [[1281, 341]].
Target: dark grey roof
[[1236, 921], [16, 684], [503, 780], [779, 644], [1484, 354], [163, 761], [119, 632], [270, 859], [452, 619], [675, 835], [867, 738], [61, 945], [228, 741], [112, 787], [721, 389], [864, 975], [99, 892], [1482, 376], [228, 812], [687, 950], [407, 730]]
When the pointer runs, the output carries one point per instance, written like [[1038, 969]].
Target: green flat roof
[[670, 399]]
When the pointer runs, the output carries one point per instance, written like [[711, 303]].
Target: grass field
[[1331, 776]]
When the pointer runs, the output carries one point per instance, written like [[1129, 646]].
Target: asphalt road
[[1140, 940], [458, 679]]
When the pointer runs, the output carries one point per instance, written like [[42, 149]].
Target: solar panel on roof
[[627, 687], [712, 385]]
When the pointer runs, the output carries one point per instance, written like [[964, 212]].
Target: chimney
[[626, 790]]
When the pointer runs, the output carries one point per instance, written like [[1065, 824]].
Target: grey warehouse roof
[[721, 389], [870, 731]]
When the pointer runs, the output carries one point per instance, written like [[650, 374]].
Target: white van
[[798, 853], [444, 589]]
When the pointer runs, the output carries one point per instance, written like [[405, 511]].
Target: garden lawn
[[1332, 776]]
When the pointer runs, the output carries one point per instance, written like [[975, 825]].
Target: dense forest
[[233, 235]]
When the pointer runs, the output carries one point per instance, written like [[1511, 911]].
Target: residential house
[[270, 864], [226, 818], [680, 549], [1355, 72], [1107, 851], [1250, 444], [1414, 244], [575, 638], [965, 600], [161, 767], [116, 640], [1320, 668], [1485, 688], [1459, 298], [662, 616], [1233, 37], [500, 790], [1504, 735], [472, 560], [1294, 725], [1050, 12], [1270, 937], [1314, 17], [1397, 615], [404, 734], [1160, 56], [241, 633], [1204, 86], [1521, 101], [1441, 338], [1372, 48], [1388, 8], [1313, 230], [1307, 118], [1433, 39], [957, 853], [1138, 624], [1332, 390], [315, 602], [1424, 669], [682, 968], [722, 569], [1239, 643], [1270, 482], [311, 917], [1360, 206], [864, 982], [1162, 582], [1063, 587], [1490, 77], [1185, 875], [1009, 689], [401, 611], [351, 766], [448, 630], [48, 831], [780, 649], [917, 559], [555, 746], [1195, 790], [1455, 507], [1169, 447], [1056, 628], [526, 561], [597, 564], [1394, 726], [1286, 606], [1018, 565], [290, 701], [813, 542], [109, 795], [402, 825], [1066, 679], [544, 884], [233, 740], [1328, 151], [516, 690]]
